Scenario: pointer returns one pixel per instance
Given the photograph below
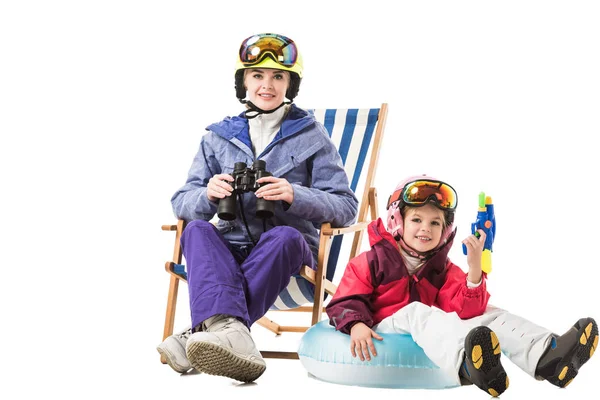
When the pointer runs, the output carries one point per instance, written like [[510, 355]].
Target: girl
[[407, 284]]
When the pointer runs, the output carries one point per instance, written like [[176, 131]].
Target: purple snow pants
[[239, 280]]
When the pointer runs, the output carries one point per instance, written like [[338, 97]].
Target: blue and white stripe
[[351, 131]]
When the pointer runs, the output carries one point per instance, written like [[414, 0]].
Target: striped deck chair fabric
[[351, 131]]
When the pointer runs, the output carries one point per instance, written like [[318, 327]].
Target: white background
[[102, 106]]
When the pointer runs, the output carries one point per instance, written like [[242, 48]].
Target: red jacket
[[376, 284]]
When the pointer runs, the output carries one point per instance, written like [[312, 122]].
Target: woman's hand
[[474, 249], [275, 189], [218, 188], [361, 342]]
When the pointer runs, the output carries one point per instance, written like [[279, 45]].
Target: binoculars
[[244, 180]]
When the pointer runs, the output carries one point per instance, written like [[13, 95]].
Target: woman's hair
[[249, 71]]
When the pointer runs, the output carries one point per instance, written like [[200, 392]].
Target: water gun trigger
[[475, 231]]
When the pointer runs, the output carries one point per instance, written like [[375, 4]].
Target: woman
[[237, 269]]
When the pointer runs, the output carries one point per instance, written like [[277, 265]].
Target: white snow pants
[[441, 335]]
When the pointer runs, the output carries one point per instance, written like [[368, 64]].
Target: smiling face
[[423, 227], [266, 87]]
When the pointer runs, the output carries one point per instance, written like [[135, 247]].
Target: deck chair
[[357, 133]]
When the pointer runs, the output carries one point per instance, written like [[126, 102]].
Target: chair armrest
[[327, 230], [169, 227], [170, 268], [310, 275]]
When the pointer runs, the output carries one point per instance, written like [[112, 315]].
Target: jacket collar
[[236, 127], [435, 263]]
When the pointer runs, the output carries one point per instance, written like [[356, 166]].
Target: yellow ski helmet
[[269, 50]]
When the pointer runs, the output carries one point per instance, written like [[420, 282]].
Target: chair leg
[[270, 325], [324, 246], [171, 306], [282, 355], [174, 282]]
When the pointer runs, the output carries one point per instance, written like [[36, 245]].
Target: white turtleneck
[[264, 127], [413, 264]]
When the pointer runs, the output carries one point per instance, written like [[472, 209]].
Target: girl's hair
[[447, 214]]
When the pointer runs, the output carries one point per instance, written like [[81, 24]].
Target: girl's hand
[[361, 342], [218, 188], [275, 189], [474, 249]]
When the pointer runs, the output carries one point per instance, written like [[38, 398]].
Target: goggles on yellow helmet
[[279, 48], [420, 192]]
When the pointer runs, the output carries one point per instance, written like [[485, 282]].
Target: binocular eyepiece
[[244, 180]]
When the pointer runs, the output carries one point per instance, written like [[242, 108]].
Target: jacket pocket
[[296, 157], [229, 160]]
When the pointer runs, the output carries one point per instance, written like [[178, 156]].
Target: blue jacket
[[301, 152]]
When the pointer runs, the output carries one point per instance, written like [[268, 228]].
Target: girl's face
[[266, 87], [423, 227]]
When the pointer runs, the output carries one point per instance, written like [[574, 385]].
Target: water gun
[[485, 221]]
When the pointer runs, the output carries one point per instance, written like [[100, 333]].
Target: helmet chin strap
[[254, 111], [410, 250]]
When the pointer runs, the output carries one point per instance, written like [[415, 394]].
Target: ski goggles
[[418, 193], [281, 49]]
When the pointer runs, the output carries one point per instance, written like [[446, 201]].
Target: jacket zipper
[[411, 283]]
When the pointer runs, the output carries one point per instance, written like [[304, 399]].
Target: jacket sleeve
[[329, 198], [456, 296], [351, 302], [190, 202]]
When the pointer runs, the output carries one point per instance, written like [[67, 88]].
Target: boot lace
[[185, 334], [222, 324]]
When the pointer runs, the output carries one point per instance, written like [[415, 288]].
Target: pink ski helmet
[[447, 203]]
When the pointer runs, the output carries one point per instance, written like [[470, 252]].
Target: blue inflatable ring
[[400, 362]]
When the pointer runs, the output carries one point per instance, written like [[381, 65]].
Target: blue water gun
[[485, 221]]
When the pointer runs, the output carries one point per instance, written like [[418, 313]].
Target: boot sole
[[482, 351], [213, 359], [568, 368]]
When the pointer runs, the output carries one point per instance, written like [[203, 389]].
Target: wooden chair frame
[[368, 208]]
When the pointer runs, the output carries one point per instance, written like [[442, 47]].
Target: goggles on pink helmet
[[417, 191]]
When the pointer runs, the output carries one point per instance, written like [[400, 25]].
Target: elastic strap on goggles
[[281, 49], [418, 193]]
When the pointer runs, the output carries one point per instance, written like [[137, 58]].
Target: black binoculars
[[244, 180]]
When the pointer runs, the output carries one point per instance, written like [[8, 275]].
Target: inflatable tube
[[400, 362]]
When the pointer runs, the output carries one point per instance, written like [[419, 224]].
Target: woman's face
[[423, 227], [266, 87]]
